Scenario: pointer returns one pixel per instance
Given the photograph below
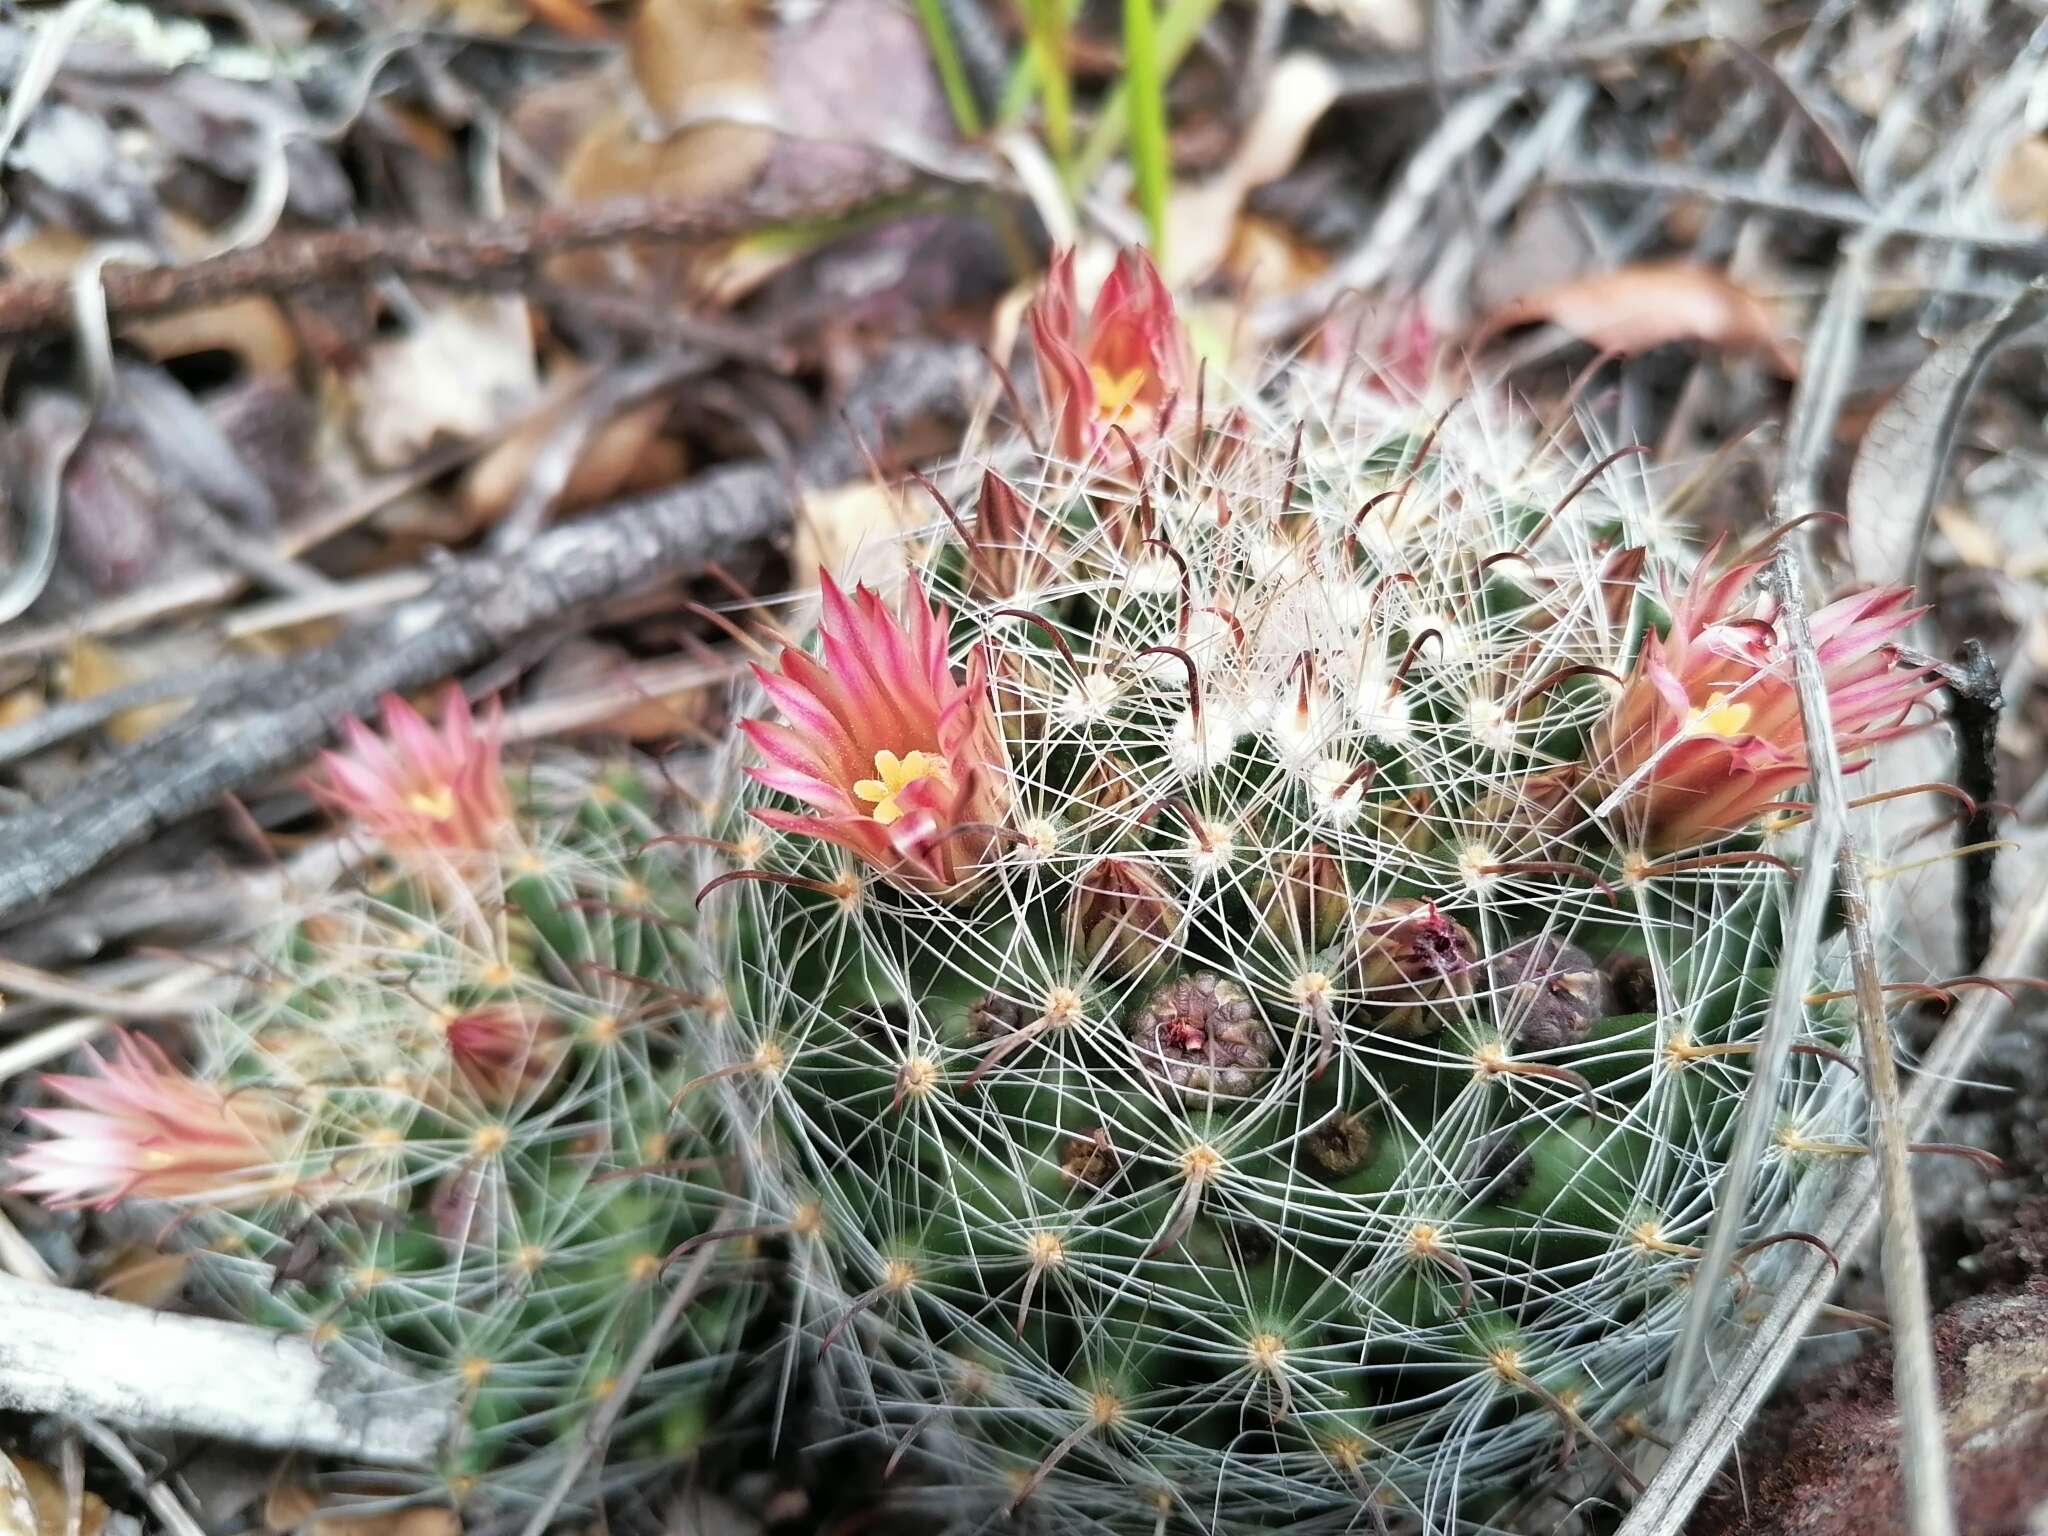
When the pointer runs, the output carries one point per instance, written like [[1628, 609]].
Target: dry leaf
[[1201, 221], [587, 669], [2019, 184], [17, 1506], [251, 329], [298, 1510], [855, 531], [683, 51], [615, 457], [1973, 544], [49, 1504], [142, 1277], [465, 370], [687, 57], [1650, 305], [92, 669]]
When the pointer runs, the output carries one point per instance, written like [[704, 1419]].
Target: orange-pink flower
[[419, 786], [900, 762], [1125, 368], [1707, 734], [143, 1130]]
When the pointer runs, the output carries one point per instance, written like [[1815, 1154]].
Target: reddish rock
[[1824, 1462]]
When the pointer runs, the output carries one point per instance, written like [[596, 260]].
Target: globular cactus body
[[447, 1125], [1205, 1100], [494, 1151]]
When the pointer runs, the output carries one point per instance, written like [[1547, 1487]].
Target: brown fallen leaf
[[142, 1277], [51, 1506], [2019, 183], [92, 668], [464, 370], [1649, 305], [17, 1505], [622, 454], [298, 1510]]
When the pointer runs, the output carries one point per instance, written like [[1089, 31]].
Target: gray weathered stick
[[87, 1357]]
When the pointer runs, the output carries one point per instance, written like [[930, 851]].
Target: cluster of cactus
[[446, 1129], [1234, 1006], [1233, 991]]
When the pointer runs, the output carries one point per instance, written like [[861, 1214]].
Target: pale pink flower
[[143, 1130], [1707, 734], [900, 762], [1126, 367], [420, 786]]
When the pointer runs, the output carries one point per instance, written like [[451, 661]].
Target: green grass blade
[[938, 33], [1175, 32], [1144, 95]]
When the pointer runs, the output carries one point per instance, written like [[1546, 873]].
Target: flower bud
[[502, 1051], [1497, 1168], [1202, 1034], [1541, 808], [1122, 915], [1413, 964], [1631, 983], [1338, 1148], [1546, 993], [1108, 783], [1304, 905]]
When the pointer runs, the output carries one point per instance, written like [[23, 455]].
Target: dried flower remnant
[[1203, 1034], [1124, 368], [1706, 735], [421, 787], [143, 1130], [901, 763], [1414, 966], [1546, 993]]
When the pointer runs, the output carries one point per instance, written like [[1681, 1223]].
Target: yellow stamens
[[896, 775], [1719, 716], [436, 803], [1116, 394]]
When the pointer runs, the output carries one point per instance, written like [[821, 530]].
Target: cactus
[[1242, 973], [447, 1126]]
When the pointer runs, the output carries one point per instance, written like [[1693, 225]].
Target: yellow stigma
[[1116, 394], [896, 775], [436, 803], [1719, 716]]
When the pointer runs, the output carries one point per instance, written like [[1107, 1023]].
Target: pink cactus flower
[[900, 763], [1125, 368], [1706, 735], [143, 1130], [418, 786]]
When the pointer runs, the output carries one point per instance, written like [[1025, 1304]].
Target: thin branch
[[491, 253], [1796, 200]]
